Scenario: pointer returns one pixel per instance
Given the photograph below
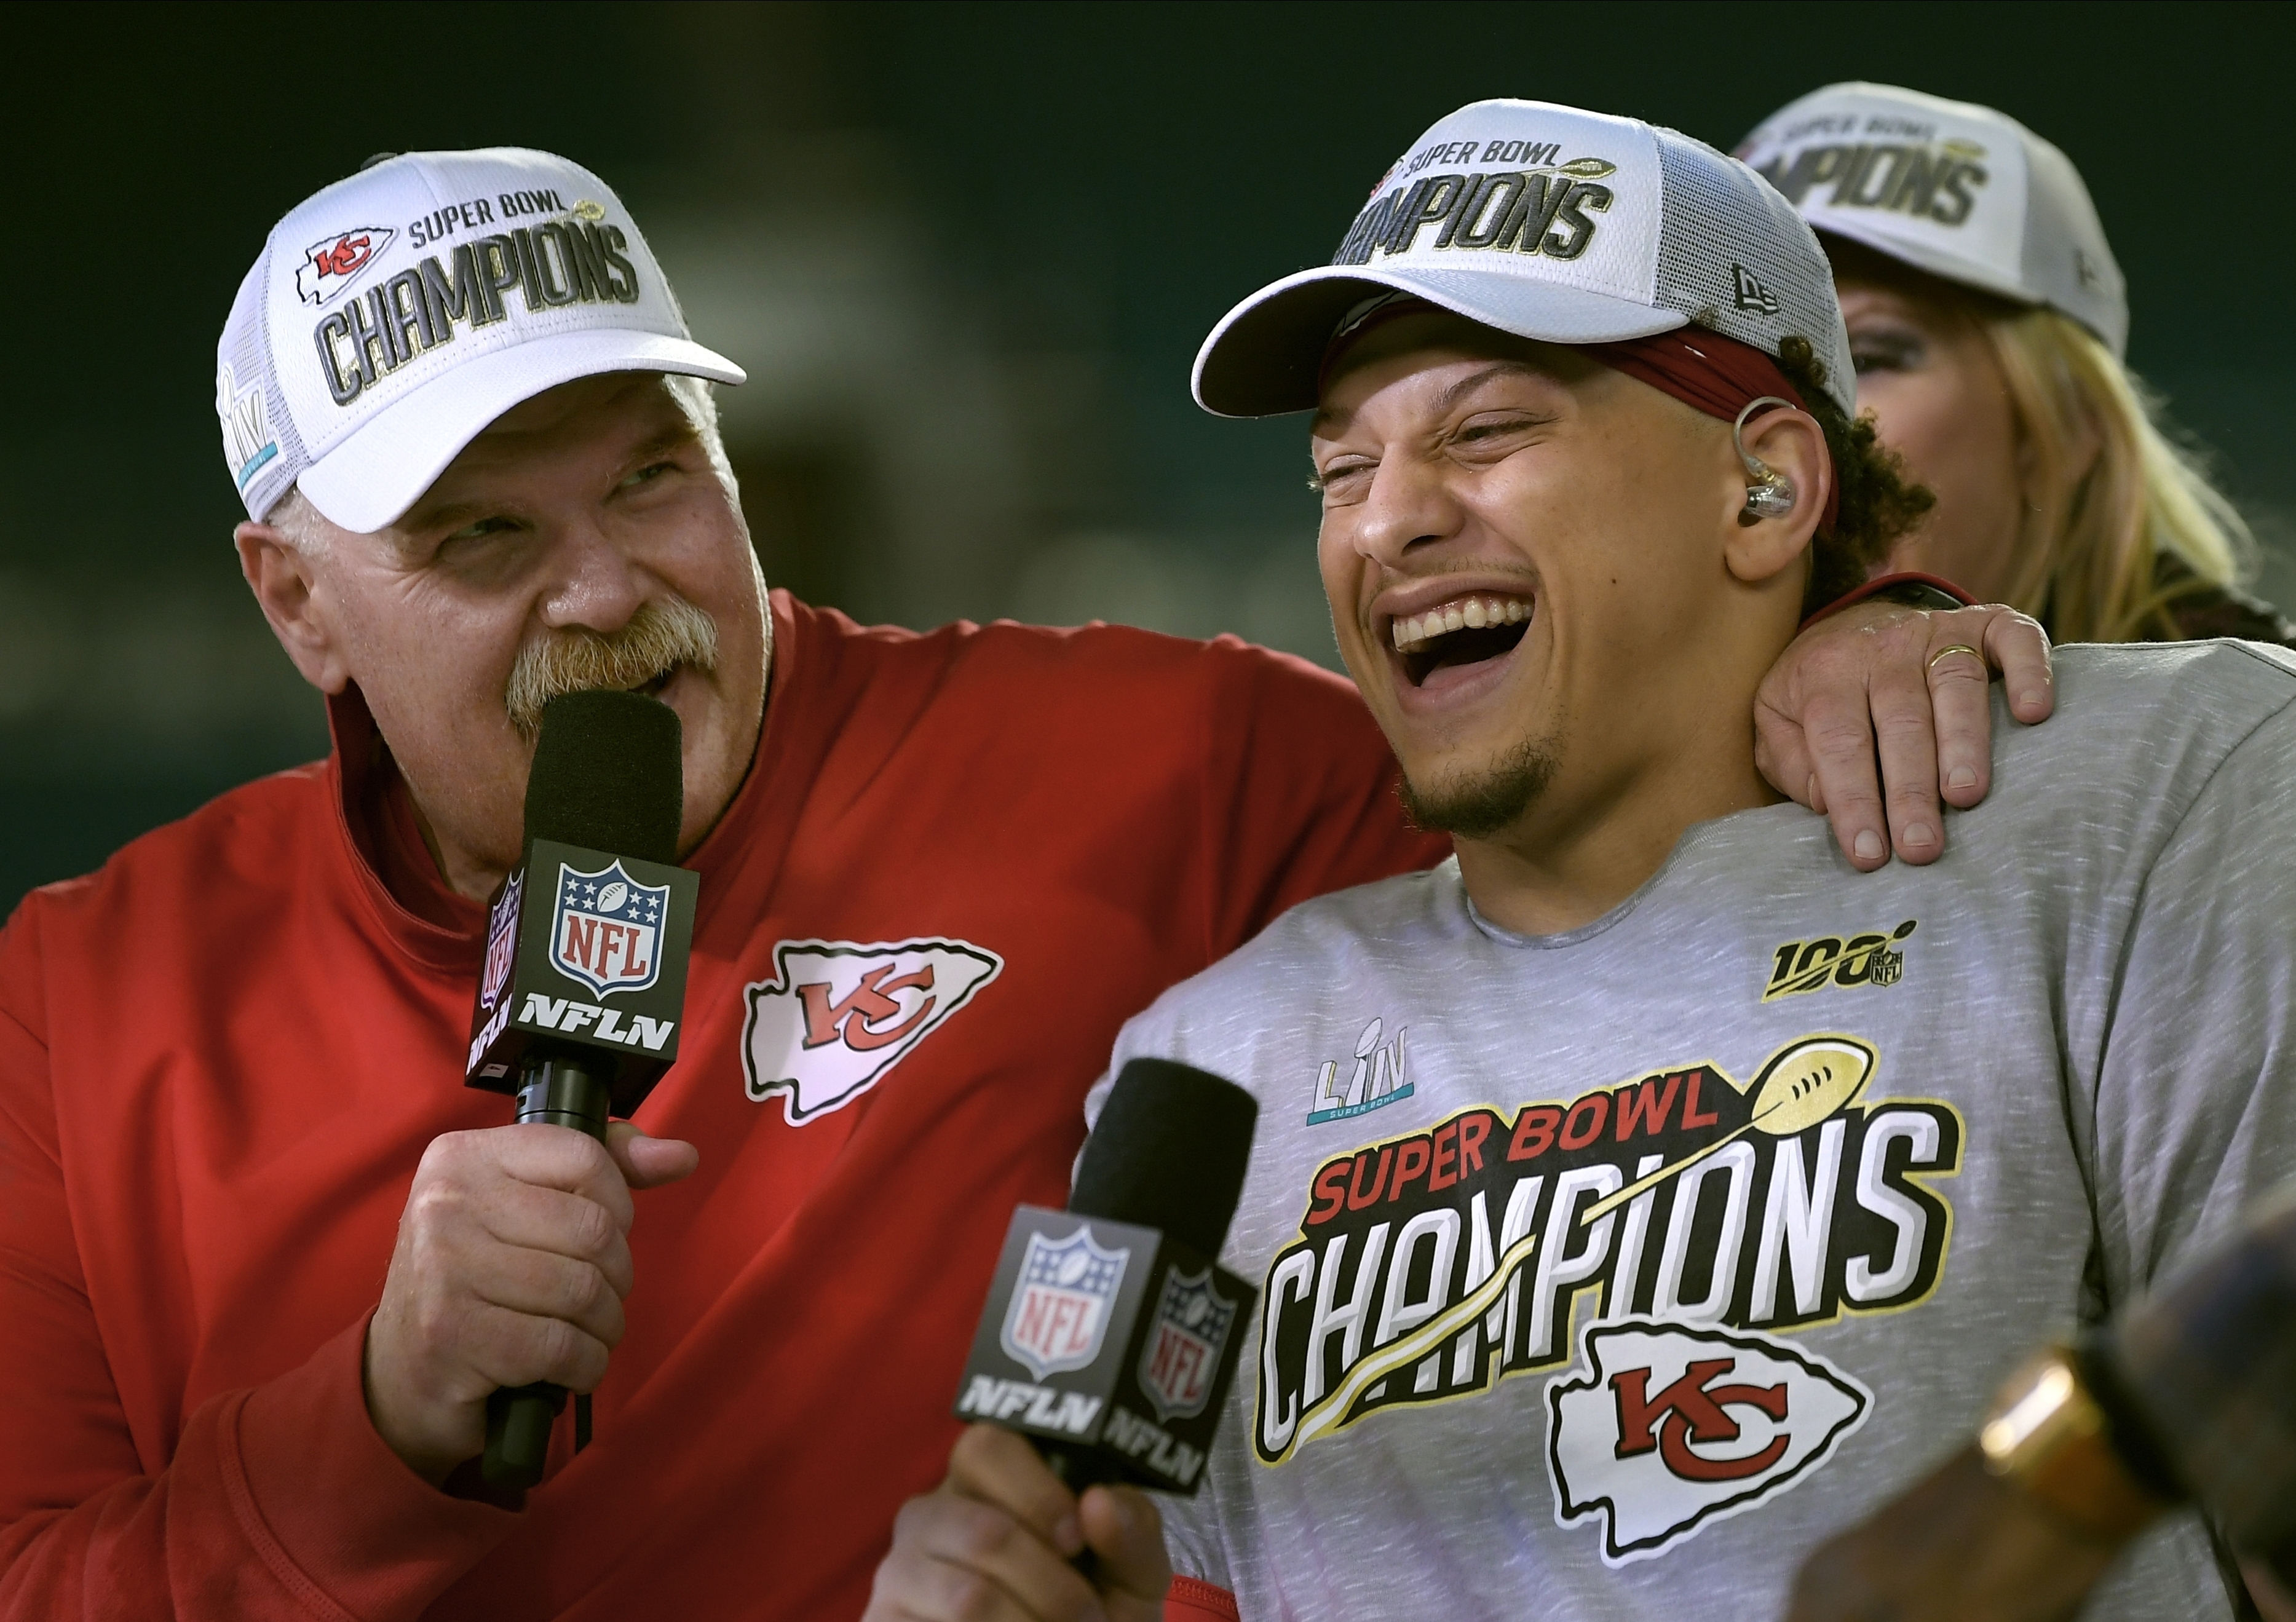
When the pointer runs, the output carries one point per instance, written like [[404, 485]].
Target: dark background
[[966, 253]]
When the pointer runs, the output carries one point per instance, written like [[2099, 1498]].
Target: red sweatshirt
[[222, 1056]]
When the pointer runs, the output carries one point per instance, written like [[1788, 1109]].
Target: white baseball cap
[[393, 316], [1949, 187], [1549, 223]]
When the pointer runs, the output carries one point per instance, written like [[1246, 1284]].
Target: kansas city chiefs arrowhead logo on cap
[[331, 265]]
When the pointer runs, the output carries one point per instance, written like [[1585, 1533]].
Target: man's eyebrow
[[455, 514], [672, 438], [451, 515], [1329, 419], [1473, 380]]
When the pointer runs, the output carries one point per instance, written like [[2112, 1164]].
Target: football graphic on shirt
[[1436, 1264]]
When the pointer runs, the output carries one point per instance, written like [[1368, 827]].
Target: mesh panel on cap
[[258, 428], [1729, 245]]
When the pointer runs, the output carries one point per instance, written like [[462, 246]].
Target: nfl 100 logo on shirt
[[1699, 1218]]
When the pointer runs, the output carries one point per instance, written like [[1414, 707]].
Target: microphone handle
[[557, 1088]]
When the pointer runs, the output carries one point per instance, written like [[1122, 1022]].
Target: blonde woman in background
[[1988, 322]]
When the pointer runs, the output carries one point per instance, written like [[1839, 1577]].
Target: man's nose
[[1410, 503], [593, 581]]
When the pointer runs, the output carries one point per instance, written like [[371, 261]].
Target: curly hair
[[1879, 501]]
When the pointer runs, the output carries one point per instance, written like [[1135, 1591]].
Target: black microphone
[[1110, 1334], [584, 988]]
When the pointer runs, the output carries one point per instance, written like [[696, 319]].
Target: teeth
[[1469, 613]]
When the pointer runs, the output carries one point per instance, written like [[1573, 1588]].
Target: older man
[[1725, 1187], [246, 1361]]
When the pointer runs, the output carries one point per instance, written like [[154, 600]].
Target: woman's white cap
[[394, 315], [1949, 187], [1549, 223]]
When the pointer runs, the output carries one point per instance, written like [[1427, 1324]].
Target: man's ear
[[1794, 447], [281, 578]]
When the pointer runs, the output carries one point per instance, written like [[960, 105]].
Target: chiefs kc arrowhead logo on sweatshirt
[[837, 1016]]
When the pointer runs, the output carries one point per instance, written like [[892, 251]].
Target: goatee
[[1477, 807]]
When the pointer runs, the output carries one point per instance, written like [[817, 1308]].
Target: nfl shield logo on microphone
[[606, 931], [502, 941], [1183, 1353], [1060, 1308]]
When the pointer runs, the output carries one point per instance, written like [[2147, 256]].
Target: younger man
[[1636, 1200]]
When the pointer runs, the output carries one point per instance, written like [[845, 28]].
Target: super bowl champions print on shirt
[[1714, 1216]]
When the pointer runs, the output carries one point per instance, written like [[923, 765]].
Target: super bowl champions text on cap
[[1550, 223], [575, 259], [396, 313], [1956, 189]]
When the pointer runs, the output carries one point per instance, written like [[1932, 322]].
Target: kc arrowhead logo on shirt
[[1672, 1428], [838, 1016]]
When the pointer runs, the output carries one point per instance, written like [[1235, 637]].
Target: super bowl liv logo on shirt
[[1683, 1203], [1380, 1075]]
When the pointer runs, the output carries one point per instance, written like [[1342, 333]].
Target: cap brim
[[1922, 257], [370, 480], [1267, 354]]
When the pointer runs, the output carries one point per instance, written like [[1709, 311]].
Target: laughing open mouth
[[1464, 631]]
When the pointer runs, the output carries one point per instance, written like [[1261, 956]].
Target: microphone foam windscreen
[[607, 775], [1170, 1152]]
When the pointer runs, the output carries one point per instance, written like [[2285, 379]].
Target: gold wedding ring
[[1959, 647]]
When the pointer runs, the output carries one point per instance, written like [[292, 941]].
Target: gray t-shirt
[[1605, 1274]]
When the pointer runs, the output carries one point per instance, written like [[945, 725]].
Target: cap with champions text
[[1949, 187], [1553, 224], [396, 313]]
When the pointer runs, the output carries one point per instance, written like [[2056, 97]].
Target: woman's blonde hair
[[2108, 493]]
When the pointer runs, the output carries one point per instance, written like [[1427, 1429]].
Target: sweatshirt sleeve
[[2194, 1106], [276, 1502], [1302, 798]]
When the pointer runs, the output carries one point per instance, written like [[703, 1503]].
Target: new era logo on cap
[[394, 315], [1550, 223], [1949, 187]]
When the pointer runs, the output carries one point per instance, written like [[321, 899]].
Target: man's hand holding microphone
[[1103, 1356], [1003, 1540], [511, 1266], [505, 1288]]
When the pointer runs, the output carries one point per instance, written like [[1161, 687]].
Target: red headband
[[1711, 373]]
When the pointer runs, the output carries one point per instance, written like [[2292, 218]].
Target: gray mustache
[[664, 633]]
